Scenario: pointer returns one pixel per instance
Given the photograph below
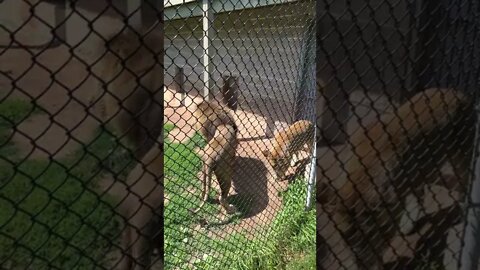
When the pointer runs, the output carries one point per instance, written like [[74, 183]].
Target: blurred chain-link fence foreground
[[398, 83], [255, 59], [81, 114], [111, 112]]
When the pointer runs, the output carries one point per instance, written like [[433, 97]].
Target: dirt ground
[[62, 84], [254, 177]]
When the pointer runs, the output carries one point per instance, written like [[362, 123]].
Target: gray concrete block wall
[[262, 50]]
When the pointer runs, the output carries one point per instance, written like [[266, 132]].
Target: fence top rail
[[179, 9]]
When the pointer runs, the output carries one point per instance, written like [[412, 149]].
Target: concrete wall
[[261, 46]]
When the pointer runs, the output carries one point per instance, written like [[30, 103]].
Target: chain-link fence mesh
[[84, 156], [80, 107], [254, 62], [397, 84], [82, 173]]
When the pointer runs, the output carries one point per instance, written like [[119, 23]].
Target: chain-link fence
[[114, 115], [83, 161], [81, 87], [398, 84], [253, 61]]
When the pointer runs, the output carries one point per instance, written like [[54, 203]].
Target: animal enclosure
[[63, 164], [81, 117], [257, 59], [181, 134]]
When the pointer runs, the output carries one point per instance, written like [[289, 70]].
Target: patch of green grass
[[291, 234], [303, 261], [51, 217], [12, 113], [289, 240], [181, 165], [167, 128]]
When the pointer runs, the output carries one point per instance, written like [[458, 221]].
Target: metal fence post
[[313, 175], [306, 91], [208, 34], [470, 252], [471, 248]]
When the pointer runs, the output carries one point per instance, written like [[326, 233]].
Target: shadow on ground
[[250, 184]]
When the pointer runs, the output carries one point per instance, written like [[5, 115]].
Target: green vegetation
[[288, 243], [51, 218], [12, 113], [283, 244]]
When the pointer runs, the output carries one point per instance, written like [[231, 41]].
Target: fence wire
[[258, 58], [90, 178], [398, 82], [114, 115], [80, 131]]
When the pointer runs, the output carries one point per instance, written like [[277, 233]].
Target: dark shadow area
[[326, 143], [323, 253], [250, 184], [326, 258], [430, 248]]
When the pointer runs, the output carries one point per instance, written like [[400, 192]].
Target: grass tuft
[[51, 217]]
